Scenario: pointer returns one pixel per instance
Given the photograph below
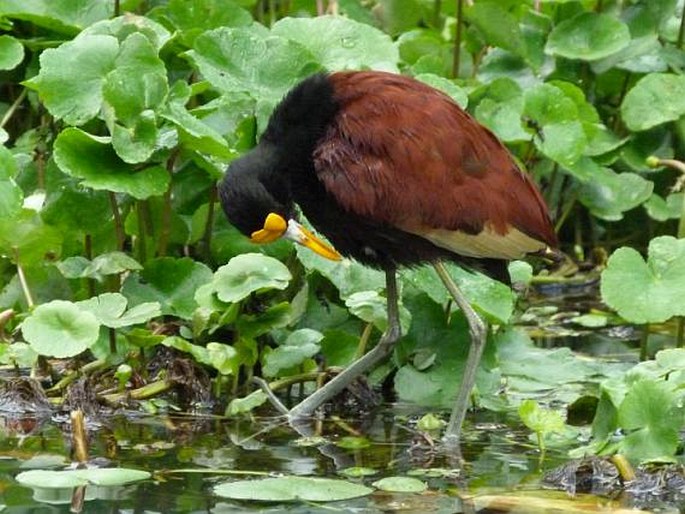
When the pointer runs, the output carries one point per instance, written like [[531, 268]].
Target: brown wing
[[404, 154]]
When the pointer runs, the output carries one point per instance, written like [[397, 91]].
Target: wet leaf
[[656, 98], [249, 273], [651, 291], [250, 59], [339, 43], [11, 52], [74, 478], [60, 329], [284, 489], [588, 36], [400, 485], [499, 26], [193, 18]]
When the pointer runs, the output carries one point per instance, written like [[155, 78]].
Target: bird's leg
[[479, 332], [307, 406]]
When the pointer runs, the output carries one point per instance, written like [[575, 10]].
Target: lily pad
[[60, 329], [651, 291], [248, 273], [285, 489], [401, 485], [46, 479]]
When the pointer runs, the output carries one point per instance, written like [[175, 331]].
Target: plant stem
[[13, 108], [319, 8], [680, 331], [456, 58], [165, 231], [209, 224], [118, 222], [142, 393], [22, 281], [363, 340], [117, 7], [625, 470], [84, 370], [79, 439], [437, 7], [643, 342], [112, 341], [88, 250], [142, 239], [681, 32]]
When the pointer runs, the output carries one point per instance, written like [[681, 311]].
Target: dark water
[[498, 456]]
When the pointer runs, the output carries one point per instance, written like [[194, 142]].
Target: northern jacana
[[394, 173]]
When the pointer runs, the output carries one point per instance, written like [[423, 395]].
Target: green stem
[[209, 225], [437, 8], [117, 8], [118, 222], [22, 281], [142, 233], [364, 340], [13, 108], [88, 250], [681, 32], [680, 331], [643, 342], [112, 341], [72, 376], [142, 393], [165, 232], [456, 58]]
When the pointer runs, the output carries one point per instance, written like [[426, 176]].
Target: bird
[[395, 174]]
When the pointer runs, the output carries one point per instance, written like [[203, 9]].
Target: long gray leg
[[307, 406], [479, 332]]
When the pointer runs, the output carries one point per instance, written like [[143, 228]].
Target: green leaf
[[71, 77], [11, 52], [138, 81], [93, 160], [339, 43], [283, 489], [656, 98], [400, 485], [248, 403], [588, 36], [24, 238], [195, 133], [458, 94], [122, 27], [110, 310], [224, 358], [194, 17], [251, 60], [647, 292], [499, 27], [104, 477], [60, 329], [170, 282], [371, 307], [608, 194], [539, 420], [11, 195], [662, 210], [249, 273], [65, 16], [298, 347], [652, 417]]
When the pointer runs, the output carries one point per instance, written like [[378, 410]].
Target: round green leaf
[[340, 43], [123, 26], [71, 77], [93, 160], [459, 95], [292, 489], [401, 485], [298, 347], [588, 36], [60, 329], [647, 292], [63, 16], [11, 52], [657, 98], [247, 273], [251, 59]]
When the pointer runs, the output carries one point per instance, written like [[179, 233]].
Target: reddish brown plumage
[[404, 154]]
